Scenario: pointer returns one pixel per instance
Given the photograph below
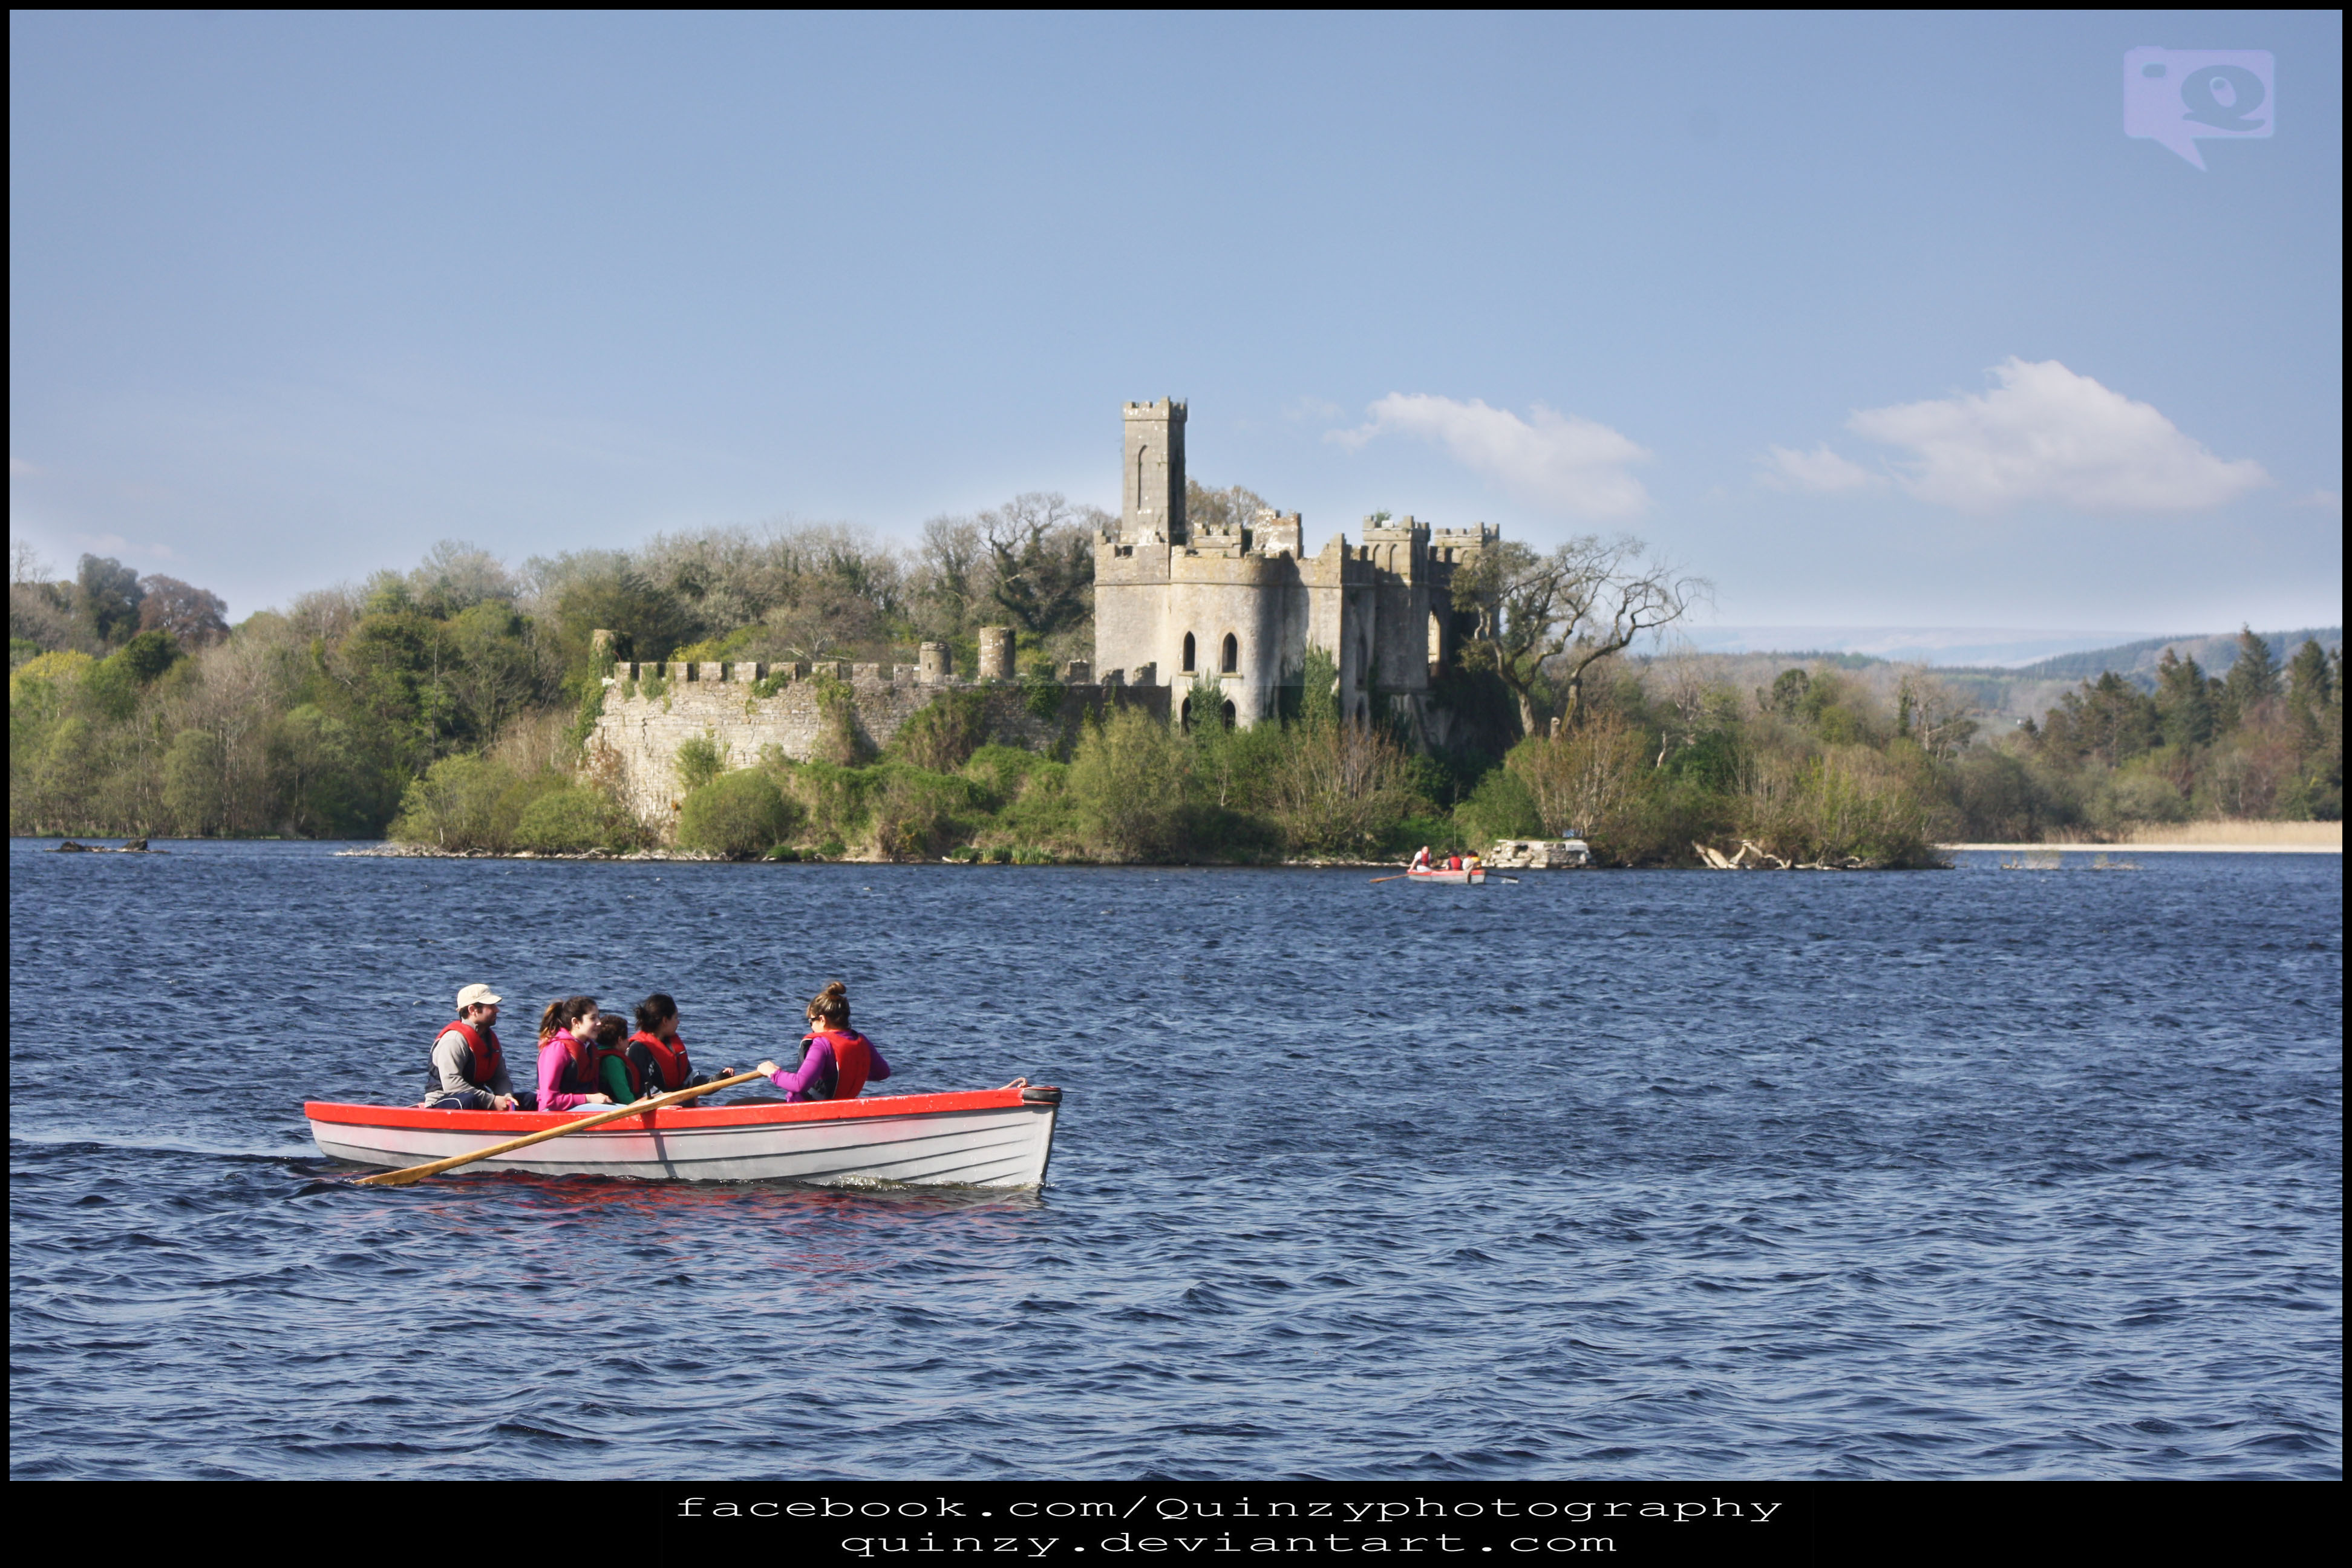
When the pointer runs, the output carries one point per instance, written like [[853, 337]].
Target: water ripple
[[1963, 1175]]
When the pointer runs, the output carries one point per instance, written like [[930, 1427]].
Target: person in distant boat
[[836, 1062], [567, 1054], [469, 1072], [1453, 861], [1420, 859], [1470, 862], [651, 1061]]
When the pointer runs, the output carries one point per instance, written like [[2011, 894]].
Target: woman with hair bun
[[836, 1062]]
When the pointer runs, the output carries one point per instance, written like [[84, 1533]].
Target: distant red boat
[[982, 1138], [1440, 874]]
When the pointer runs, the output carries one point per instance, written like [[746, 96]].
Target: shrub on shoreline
[[739, 816]]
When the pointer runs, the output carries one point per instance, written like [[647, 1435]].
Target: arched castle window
[[1228, 715], [1187, 653], [1436, 642], [1142, 493], [1232, 659]]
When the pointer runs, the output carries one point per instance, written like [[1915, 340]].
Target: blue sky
[[1873, 321]]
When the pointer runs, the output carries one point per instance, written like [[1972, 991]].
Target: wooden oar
[[418, 1172], [1400, 877]]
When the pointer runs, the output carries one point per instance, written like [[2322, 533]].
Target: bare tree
[[1042, 547], [1682, 677], [455, 576], [1542, 619], [949, 582], [1932, 713], [1207, 509]]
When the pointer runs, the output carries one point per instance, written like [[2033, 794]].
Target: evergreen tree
[[2309, 682], [2254, 680], [2184, 701]]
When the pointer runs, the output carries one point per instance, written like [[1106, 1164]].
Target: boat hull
[[1474, 879], [989, 1137]]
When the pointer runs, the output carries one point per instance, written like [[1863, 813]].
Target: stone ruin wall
[[637, 738]]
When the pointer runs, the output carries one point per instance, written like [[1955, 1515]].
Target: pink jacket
[[552, 1057]]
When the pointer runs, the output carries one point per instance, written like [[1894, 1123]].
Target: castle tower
[[1151, 500]]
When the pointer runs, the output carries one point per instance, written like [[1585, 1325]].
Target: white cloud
[[2046, 434], [1553, 460], [2324, 500], [1818, 472], [18, 469]]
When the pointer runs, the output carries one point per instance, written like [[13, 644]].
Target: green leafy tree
[[605, 592], [465, 802], [569, 820], [943, 734], [698, 762], [740, 814], [195, 779], [1127, 782], [1338, 787], [106, 598]]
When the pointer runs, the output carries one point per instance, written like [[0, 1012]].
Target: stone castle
[[1239, 608], [1176, 609]]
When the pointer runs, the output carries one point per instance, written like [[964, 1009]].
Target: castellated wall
[[651, 709]]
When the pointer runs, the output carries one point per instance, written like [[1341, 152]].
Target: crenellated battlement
[[813, 710]]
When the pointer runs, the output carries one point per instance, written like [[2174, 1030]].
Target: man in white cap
[[469, 1070]]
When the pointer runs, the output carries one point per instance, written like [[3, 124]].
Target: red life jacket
[[606, 1053], [578, 1074], [668, 1057], [479, 1067], [851, 1063]]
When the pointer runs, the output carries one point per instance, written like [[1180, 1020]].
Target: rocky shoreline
[[392, 850]]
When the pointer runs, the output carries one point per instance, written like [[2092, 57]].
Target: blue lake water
[[1978, 1173]]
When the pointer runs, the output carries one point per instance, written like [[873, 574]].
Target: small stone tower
[[1152, 505]]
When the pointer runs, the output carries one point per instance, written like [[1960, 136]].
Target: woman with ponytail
[[567, 1056], [836, 1062]]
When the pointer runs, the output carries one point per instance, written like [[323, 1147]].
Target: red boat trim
[[515, 1123]]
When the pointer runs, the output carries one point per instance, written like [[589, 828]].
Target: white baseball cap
[[477, 997]]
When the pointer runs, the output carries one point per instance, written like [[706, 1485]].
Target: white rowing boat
[[982, 1138]]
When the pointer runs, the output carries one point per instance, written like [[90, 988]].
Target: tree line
[[450, 704]]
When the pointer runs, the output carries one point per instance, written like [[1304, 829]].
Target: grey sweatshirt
[[449, 1054]]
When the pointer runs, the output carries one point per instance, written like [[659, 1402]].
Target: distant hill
[[2006, 694], [2217, 652]]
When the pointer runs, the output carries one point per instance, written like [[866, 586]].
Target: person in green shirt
[[622, 1065], [612, 1060]]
